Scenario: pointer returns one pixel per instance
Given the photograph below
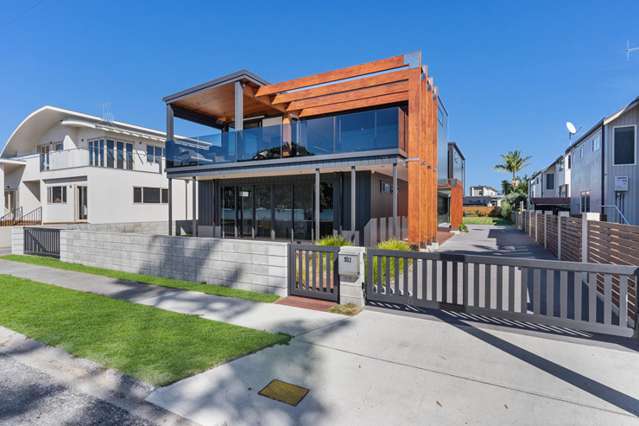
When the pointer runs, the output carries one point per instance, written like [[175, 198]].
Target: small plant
[[463, 228], [389, 245], [333, 241]]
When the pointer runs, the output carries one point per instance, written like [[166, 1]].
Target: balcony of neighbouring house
[[370, 131]]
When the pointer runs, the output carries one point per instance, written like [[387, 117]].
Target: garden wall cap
[[352, 250]]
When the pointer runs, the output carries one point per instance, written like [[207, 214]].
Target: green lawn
[[485, 220], [153, 345], [216, 290]]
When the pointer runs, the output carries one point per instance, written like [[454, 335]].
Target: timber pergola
[[228, 101]]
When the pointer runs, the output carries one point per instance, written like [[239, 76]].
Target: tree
[[513, 162]]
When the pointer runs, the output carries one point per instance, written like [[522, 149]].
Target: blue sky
[[510, 73]]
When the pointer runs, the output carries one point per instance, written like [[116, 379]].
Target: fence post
[[547, 213], [585, 217], [559, 216], [537, 226]]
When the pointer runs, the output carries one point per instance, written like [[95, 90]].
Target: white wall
[[586, 173]]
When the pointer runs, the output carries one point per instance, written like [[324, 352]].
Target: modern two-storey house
[[61, 166], [312, 156]]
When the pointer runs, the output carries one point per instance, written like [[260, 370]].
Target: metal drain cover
[[284, 392]]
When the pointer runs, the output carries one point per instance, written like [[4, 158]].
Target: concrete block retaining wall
[[250, 265]]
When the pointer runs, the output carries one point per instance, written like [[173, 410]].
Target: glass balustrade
[[369, 130]]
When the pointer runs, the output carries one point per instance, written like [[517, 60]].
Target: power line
[[21, 15]]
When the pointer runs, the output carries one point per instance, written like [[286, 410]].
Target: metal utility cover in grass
[[284, 392]]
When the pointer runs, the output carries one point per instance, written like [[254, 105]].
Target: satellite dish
[[571, 128]]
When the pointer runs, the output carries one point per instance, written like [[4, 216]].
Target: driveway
[[395, 368], [493, 240]]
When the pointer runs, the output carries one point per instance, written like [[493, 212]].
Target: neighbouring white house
[[483, 191], [66, 167]]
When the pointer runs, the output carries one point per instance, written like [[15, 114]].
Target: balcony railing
[[370, 130], [56, 160]]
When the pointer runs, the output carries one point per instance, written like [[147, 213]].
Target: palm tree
[[513, 162]]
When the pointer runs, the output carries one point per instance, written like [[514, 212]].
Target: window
[[560, 166], [91, 157], [596, 144], [569, 161], [150, 150], [158, 154], [57, 194], [585, 202], [129, 156], [58, 146], [137, 194], [581, 152], [550, 181], [101, 152], [120, 152], [624, 145], [385, 187], [149, 195], [110, 154]]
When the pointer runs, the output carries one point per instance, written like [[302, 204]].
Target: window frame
[[63, 194], [614, 145], [164, 192], [546, 182]]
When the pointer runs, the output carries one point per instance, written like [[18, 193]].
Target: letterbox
[[348, 264]]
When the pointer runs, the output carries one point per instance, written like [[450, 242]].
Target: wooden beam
[[346, 86], [335, 75], [370, 92], [264, 100], [361, 103]]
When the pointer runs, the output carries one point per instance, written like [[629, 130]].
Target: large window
[[150, 195], [118, 154], [585, 202], [624, 145], [110, 154], [129, 156], [550, 181], [57, 194]]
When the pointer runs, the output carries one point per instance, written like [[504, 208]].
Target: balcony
[[57, 160], [363, 131]]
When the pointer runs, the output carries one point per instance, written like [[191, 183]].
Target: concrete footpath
[[387, 367]]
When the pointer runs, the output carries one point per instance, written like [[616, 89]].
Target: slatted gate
[[313, 271], [543, 291], [42, 242]]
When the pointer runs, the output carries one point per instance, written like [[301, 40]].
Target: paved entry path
[[260, 316], [493, 240]]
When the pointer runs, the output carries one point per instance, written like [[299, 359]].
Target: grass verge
[[216, 290], [485, 220], [150, 344]]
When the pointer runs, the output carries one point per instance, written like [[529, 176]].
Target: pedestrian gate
[[313, 272]]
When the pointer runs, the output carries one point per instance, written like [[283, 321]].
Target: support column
[[560, 215], [585, 217], [194, 223], [353, 199], [170, 206], [239, 106], [169, 137], [395, 191], [317, 204]]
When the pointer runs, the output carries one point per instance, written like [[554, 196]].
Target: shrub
[[506, 209], [463, 228], [333, 241], [389, 245]]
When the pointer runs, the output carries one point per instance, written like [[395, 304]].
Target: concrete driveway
[[394, 368], [493, 240]]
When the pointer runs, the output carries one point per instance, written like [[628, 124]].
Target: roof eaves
[[225, 79]]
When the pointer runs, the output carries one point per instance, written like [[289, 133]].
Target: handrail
[[10, 218]]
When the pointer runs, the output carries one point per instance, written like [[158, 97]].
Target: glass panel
[[263, 210], [110, 154], [158, 154], [351, 132], [101, 152], [120, 148], [624, 145], [283, 199], [245, 210], [228, 210], [165, 196], [91, 160], [137, 195], [151, 195], [149, 153], [443, 209], [129, 156], [303, 210], [326, 209]]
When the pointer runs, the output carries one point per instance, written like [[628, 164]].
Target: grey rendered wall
[[586, 174], [632, 171], [382, 202], [250, 265]]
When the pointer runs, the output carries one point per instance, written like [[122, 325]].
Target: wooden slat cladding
[[552, 234], [335, 75], [346, 86], [456, 205], [355, 104], [387, 89]]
